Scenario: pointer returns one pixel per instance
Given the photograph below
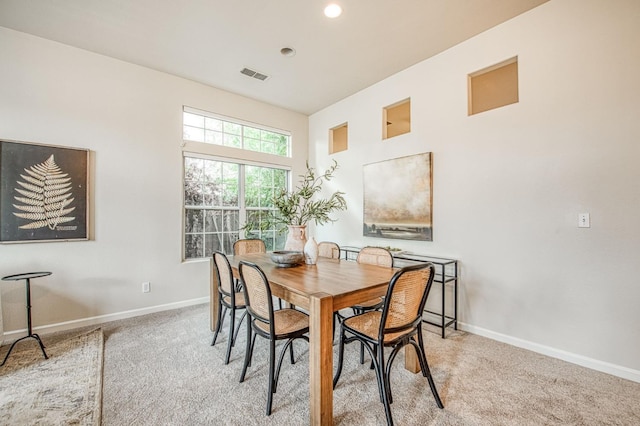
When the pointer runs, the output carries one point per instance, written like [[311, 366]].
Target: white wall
[[130, 118], [509, 183]]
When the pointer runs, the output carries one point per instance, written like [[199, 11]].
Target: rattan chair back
[[406, 296], [249, 245], [375, 256], [329, 249], [223, 273], [258, 293]]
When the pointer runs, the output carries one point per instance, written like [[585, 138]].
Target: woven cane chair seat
[[369, 325], [286, 321]]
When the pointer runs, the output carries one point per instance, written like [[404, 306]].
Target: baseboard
[[594, 364], [83, 322]]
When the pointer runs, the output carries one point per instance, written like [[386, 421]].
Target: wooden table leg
[[321, 359], [411, 361]]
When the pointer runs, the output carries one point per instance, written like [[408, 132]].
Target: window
[[201, 126], [396, 119], [338, 138], [493, 87], [261, 184], [219, 197]]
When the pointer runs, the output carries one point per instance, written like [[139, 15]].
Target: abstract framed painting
[[44, 193], [398, 198]]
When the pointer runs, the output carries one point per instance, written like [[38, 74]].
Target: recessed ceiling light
[[332, 11], [288, 51]]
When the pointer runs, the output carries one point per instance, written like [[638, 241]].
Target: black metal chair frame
[[255, 317], [223, 305], [375, 347], [360, 309]]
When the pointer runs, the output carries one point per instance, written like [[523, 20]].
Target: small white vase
[[311, 251]]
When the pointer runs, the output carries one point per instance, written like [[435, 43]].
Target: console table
[[446, 275], [27, 277]]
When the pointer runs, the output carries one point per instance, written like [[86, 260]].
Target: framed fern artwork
[[43, 193]]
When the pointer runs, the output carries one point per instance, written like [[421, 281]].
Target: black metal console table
[[27, 277], [446, 274]]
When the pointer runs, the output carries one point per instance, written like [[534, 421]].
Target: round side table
[[27, 277]]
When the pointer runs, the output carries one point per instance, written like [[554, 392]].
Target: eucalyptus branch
[[298, 206]]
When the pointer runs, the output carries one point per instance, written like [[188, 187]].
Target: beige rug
[[65, 389]]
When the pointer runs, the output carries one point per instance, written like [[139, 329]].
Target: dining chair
[[378, 256], [329, 250], [396, 326], [229, 299], [249, 245], [282, 324], [373, 256]]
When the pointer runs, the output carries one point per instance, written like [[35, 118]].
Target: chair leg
[[271, 390], [218, 324], [289, 343], [336, 377], [358, 312], [253, 343], [293, 361], [235, 335], [232, 321], [392, 357], [425, 367], [248, 351], [384, 386], [375, 348]]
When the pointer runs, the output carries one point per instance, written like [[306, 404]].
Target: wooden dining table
[[322, 289]]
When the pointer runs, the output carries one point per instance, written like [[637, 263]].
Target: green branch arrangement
[[298, 206]]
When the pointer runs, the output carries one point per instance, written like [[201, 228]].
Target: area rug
[[65, 389]]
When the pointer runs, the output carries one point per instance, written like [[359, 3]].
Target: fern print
[[45, 196]]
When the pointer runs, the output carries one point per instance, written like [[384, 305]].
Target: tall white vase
[[311, 251], [296, 238]]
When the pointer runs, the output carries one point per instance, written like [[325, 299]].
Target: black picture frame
[[44, 193]]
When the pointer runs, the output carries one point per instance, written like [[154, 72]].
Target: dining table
[[322, 289]]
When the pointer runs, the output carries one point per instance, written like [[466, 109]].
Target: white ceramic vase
[[296, 238], [311, 251]]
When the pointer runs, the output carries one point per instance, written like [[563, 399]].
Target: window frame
[[242, 207], [243, 138]]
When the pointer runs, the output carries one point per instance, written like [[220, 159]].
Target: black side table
[[27, 277]]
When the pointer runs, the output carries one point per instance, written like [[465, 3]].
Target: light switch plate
[[584, 221]]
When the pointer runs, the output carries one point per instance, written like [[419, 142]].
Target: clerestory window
[[206, 127]]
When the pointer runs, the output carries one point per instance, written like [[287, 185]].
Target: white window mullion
[[241, 201]]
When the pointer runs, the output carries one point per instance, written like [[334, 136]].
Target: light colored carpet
[[161, 370], [62, 390]]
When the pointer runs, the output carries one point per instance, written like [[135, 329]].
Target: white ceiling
[[210, 41]]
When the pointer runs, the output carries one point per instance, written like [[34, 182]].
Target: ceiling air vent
[[255, 74]]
